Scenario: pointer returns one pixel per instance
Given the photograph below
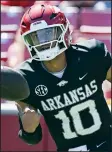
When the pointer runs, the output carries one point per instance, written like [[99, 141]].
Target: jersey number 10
[[76, 120]]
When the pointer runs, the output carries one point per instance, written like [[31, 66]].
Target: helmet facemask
[[46, 43]]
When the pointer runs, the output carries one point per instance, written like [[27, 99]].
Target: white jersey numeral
[[77, 122]]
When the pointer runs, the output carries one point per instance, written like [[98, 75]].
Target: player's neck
[[57, 64]]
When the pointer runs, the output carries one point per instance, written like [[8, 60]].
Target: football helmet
[[45, 31]]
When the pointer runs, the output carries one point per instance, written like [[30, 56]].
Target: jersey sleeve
[[102, 58], [30, 138]]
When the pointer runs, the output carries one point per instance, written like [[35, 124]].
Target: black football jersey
[[73, 106]]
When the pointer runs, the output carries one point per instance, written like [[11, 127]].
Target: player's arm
[[109, 75], [104, 60], [29, 120]]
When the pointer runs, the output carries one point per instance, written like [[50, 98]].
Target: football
[[14, 87]]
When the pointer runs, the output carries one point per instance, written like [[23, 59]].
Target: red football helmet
[[45, 31]]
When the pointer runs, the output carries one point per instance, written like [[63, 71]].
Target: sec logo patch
[[41, 90]]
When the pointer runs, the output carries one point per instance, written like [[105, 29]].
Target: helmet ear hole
[[23, 24]]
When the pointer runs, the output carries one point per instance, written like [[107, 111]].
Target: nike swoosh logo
[[80, 78], [100, 144]]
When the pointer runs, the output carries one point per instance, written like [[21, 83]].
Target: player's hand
[[30, 120]]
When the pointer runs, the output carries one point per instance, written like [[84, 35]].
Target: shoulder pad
[[88, 45], [25, 67]]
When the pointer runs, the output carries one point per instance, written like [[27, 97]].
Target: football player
[[65, 82]]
